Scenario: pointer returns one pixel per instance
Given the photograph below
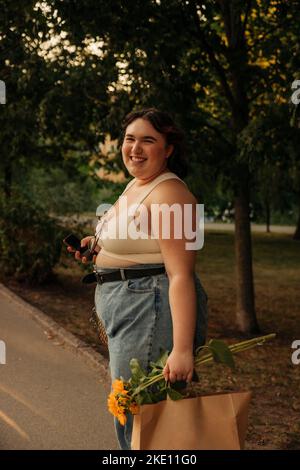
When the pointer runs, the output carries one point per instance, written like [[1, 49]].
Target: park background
[[227, 71]]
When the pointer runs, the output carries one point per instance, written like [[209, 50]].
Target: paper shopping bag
[[210, 422]]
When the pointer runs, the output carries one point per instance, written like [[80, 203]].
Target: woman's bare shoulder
[[171, 191]]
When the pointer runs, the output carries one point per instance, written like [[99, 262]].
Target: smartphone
[[74, 242]]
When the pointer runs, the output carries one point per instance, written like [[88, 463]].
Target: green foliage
[[59, 193], [214, 78], [30, 241], [28, 77], [62, 194], [61, 109], [271, 148], [269, 139], [221, 352], [152, 387], [157, 391], [174, 395]]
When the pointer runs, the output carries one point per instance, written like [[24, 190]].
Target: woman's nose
[[136, 149]]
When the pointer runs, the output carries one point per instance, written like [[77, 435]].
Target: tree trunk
[[239, 74], [245, 309], [268, 215], [234, 81], [297, 231]]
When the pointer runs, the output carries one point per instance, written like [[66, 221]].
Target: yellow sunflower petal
[[118, 386], [122, 418]]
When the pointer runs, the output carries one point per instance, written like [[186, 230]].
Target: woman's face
[[144, 150]]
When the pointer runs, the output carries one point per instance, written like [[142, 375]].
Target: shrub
[[30, 241]]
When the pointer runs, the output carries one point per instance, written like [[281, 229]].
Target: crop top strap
[[154, 183], [131, 182]]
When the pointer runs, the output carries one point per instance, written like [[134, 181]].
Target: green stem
[[238, 347], [234, 348]]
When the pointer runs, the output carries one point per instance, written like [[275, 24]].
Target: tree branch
[[267, 33], [208, 49], [219, 134], [248, 9]]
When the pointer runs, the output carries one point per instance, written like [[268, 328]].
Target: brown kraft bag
[[210, 422]]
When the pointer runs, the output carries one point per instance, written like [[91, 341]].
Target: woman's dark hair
[[163, 123]]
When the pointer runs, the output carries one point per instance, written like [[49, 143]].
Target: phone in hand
[[74, 242]]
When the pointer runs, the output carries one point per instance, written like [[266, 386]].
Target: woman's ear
[[169, 150]]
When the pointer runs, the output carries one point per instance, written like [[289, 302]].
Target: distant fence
[[2, 352], [2, 92]]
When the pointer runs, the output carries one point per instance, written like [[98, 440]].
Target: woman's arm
[[180, 266]]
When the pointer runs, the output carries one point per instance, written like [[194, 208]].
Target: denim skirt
[[137, 318]]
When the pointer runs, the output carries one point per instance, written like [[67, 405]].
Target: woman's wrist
[[183, 349]]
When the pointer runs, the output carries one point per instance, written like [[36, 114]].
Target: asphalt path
[[51, 396]]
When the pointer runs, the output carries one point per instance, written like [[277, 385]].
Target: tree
[[214, 65], [56, 96], [270, 147], [295, 169], [24, 72]]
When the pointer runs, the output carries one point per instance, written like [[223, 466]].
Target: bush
[[62, 194], [30, 241], [57, 192]]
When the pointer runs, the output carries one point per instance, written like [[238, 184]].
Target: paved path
[[51, 397], [254, 227]]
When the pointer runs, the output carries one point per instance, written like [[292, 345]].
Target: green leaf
[[174, 395], [155, 371], [159, 396], [153, 365], [161, 361], [179, 385], [137, 372], [221, 352], [162, 384], [144, 398]]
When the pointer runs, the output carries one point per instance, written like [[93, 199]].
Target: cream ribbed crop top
[[113, 234]]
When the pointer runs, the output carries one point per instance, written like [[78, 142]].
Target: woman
[[157, 302]]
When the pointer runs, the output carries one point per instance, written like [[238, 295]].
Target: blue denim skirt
[[137, 318]]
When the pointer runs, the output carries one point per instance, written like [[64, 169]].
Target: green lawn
[[268, 371]]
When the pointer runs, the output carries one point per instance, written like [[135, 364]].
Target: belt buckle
[[99, 277]]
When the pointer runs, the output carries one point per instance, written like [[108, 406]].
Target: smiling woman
[[154, 137], [148, 295], [145, 151]]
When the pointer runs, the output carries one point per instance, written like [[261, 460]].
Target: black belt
[[121, 275]]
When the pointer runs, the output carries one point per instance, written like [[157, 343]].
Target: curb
[[65, 337]]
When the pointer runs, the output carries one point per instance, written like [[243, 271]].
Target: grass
[[267, 371]]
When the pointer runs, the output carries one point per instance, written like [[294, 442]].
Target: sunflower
[[118, 386], [113, 405], [134, 408]]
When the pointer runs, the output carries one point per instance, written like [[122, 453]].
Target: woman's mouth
[[137, 159]]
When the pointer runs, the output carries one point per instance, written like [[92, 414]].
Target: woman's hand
[[179, 366], [84, 243]]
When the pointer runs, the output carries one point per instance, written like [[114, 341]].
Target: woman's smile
[[137, 160]]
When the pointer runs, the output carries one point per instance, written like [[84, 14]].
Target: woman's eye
[[130, 139]]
